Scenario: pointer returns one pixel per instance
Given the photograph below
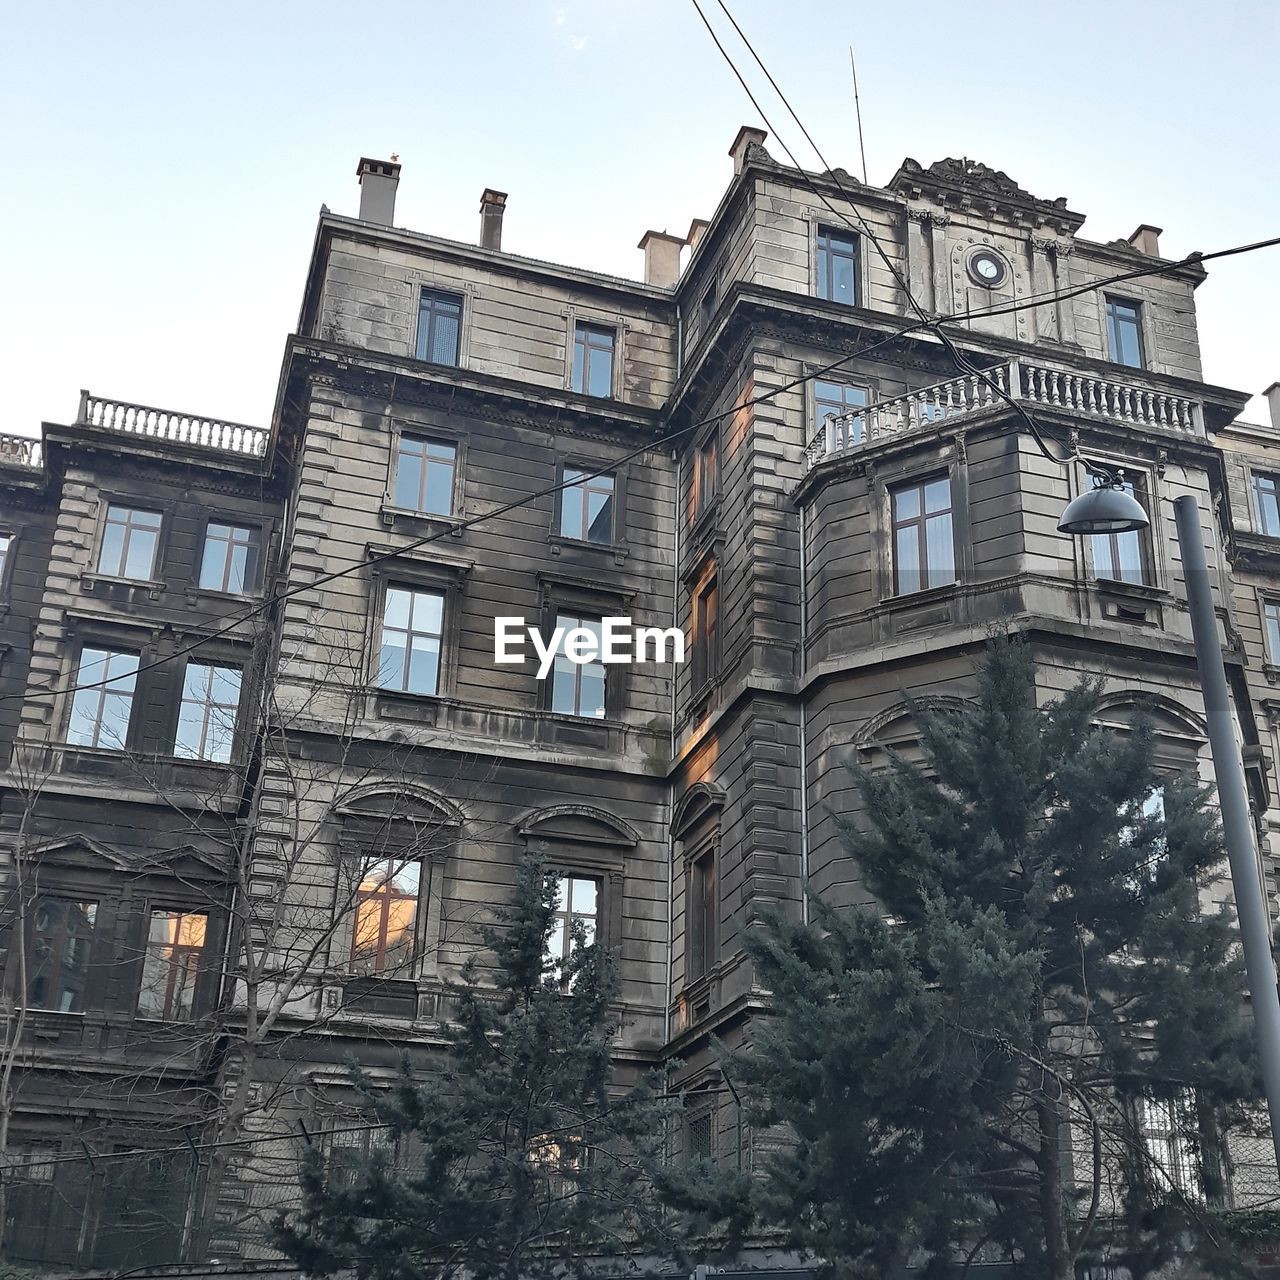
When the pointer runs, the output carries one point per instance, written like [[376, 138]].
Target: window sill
[[232, 597], [419, 523], [1135, 590], [926, 595], [560, 543], [152, 585]]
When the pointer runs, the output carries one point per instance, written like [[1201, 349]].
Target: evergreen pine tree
[[517, 1157], [961, 1066]]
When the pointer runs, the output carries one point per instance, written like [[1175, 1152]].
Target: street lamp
[[1108, 508]]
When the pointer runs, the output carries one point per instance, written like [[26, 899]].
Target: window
[[706, 474], [353, 1145], [924, 553], [175, 944], [129, 542], [1122, 557], [6, 541], [1266, 498], [839, 398], [439, 327], [1271, 618], [586, 507], [412, 623], [577, 911], [703, 947], [62, 937], [207, 718], [706, 634], [424, 474], [593, 360], [1124, 332], [382, 940], [577, 688], [230, 561], [837, 266], [1169, 1138], [699, 1129], [103, 699], [708, 307]]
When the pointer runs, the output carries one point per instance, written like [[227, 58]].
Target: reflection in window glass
[[129, 542], [103, 699], [424, 475], [439, 327], [577, 899], [1122, 556], [58, 963], [382, 938], [175, 944], [837, 266], [1266, 499], [411, 628], [230, 559], [1124, 332], [923, 541], [207, 718], [586, 506], [593, 360], [577, 688]]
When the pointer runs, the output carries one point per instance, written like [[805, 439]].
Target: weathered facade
[[271, 851]]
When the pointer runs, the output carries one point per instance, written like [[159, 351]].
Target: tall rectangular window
[[61, 941], [1169, 1137], [130, 539], [577, 688], [837, 266], [586, 506], [207, 718], [924, 552], [701, 927], [1124, 332], [577, 911], [1266, 499], [103, 700], [706, 634], [1271, 619], [382, 940], [230, 559], [706, 473], [6, 541], [1122, 557], [839, 398], [171, 967], [439, 327], [412, 624], [593, 359], [424, 474]]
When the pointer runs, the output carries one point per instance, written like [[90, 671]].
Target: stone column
[[919, 274], [938, 223], [1044, 280]]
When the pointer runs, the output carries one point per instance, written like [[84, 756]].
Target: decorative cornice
[[966, 184]]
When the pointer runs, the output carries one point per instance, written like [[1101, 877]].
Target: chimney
[[697, 229], [492, 206], [378, 182], [746, 136], [1273, 403], [1147, 240], [661, 258]]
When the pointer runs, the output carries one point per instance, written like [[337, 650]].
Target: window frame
[[705, 664], [370, 864], [1256, 480], [423, 340], [8, 541], [559, 616], [415, 587], [924, 570], [824, 231], [566, 915], [190, 973], [253, 557], [702, 914], [706, 493], [427, 438], [101, 693], [1111, 326], [585, 468], [817, 418], [55, 973], [1270, 613], [1139, 485], [208, 704], [109, 505], [579, 337]]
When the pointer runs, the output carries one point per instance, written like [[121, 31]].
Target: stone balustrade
[[1031, 384], [170, 426], [20, 451]]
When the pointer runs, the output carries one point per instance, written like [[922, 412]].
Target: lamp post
[[1109, 508]]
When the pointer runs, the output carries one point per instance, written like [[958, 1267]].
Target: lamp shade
[[1107, 509]]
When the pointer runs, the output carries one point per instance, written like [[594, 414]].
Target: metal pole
[[1237, 826]]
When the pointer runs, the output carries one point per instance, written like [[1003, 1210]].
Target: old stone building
[[265, 778]]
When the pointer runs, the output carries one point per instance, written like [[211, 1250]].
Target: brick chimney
[[1273, 403], [746, 136], [697, 229], [1147, 240], [378, 182], [661, 258], [493, 205]]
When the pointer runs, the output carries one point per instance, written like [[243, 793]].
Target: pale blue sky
[[165, 162]]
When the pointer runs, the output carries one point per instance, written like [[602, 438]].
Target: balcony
[[20, 451], [167, 426], [1036, 386]]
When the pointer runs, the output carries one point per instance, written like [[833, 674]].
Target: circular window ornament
[[987, 269]]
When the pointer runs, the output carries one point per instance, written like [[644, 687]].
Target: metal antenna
[[857, 107]]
